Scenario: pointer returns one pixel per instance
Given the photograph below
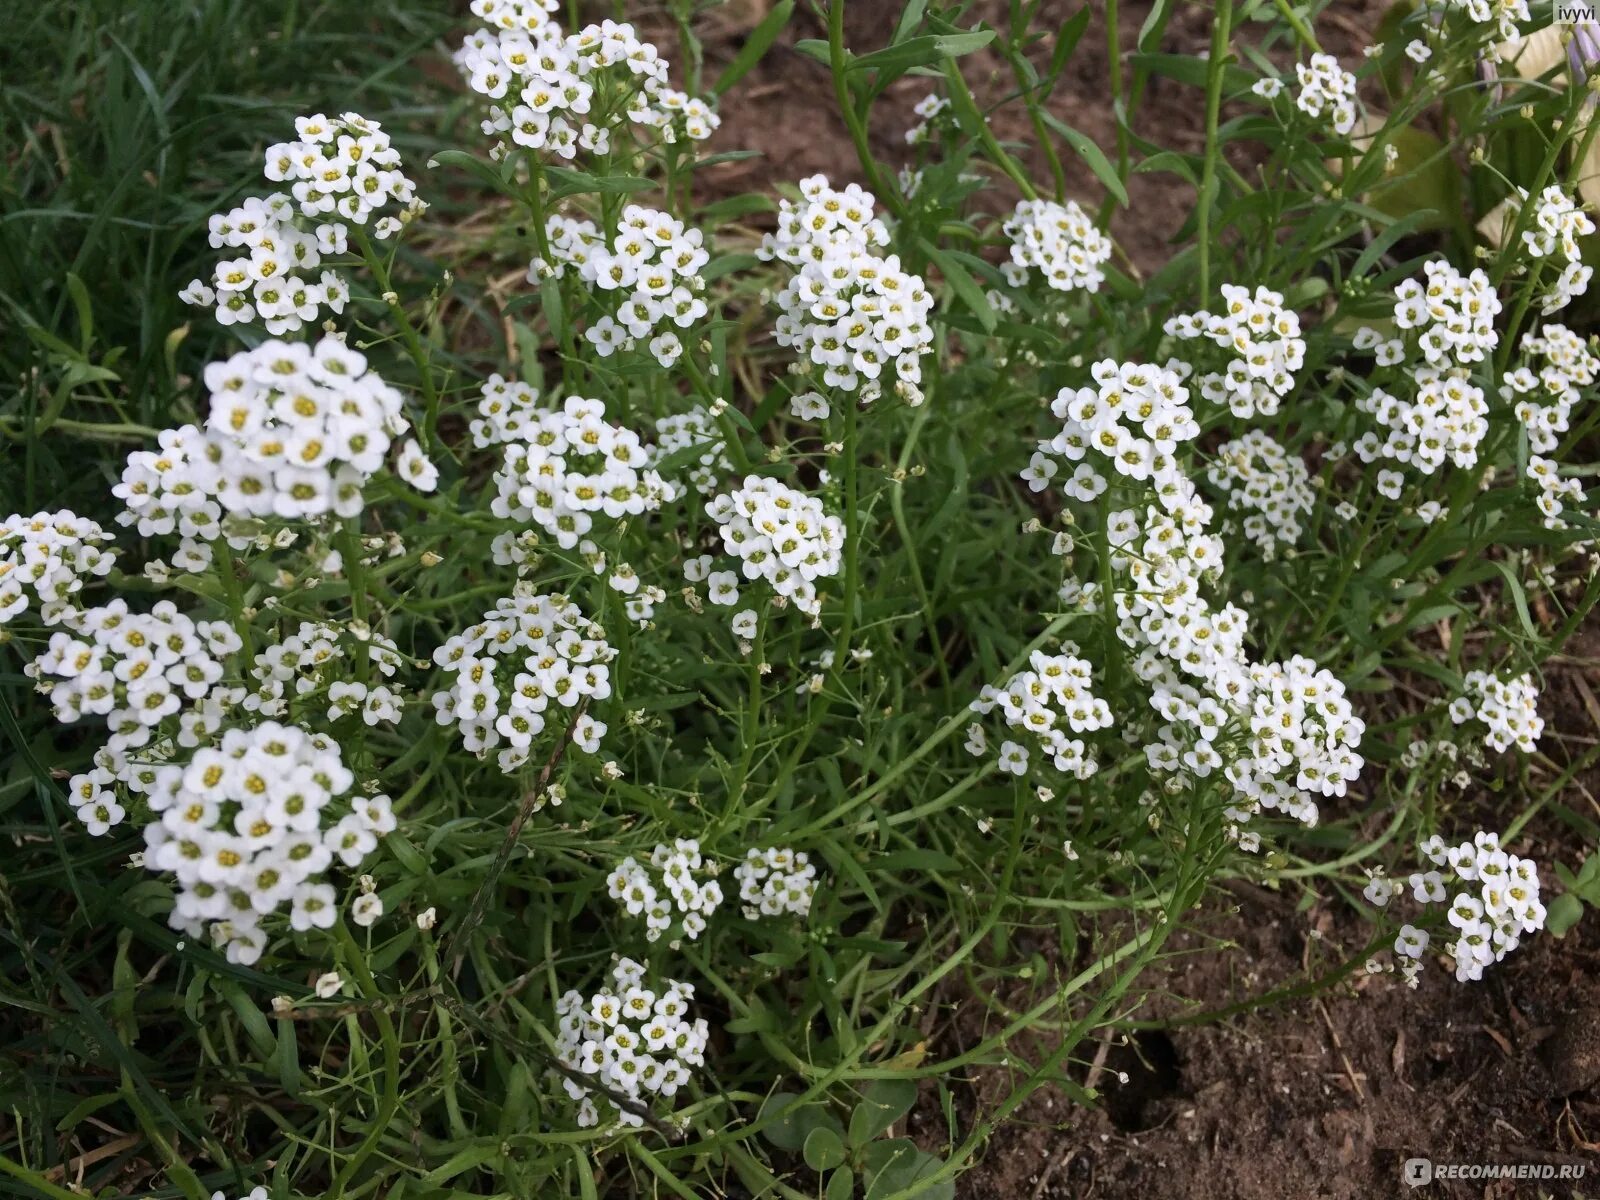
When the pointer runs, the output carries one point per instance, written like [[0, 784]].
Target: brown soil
[[1322, 1097]]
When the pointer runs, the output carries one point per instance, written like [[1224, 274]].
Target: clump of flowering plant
[[435, 653]]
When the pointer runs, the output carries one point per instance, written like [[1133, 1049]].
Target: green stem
[[408, 334], [853, 119], [1215, 65]]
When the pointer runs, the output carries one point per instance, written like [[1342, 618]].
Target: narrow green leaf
[[1094, 158], [963, 284], [756, 44]]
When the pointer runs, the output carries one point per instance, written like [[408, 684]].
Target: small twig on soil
[[1338, 1045]]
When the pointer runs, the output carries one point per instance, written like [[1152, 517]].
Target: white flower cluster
[[1301, 726], [507, 409], [1300, 734], [293, 431], [846, 309], [1558, 223], [1545, 398], [1049, 701], [345, 166], [669, 882], [1455, 313], [928, 111], [131, 668], [653, 262], [1448, 417], [339, 169], [1134, 417], [1447, 420], [1268, 485], [572, 464], [632, 1039], [1060, 241], [776, 881], [680, 431], [1490, 917], [526, 652], [49, 555], [781, 535], [303, 663], [1327, 91], [1509, 707], [1555, 490], [244, 827], [1267, 350], [560, 94]]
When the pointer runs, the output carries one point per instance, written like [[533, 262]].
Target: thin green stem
[[1216, 64]]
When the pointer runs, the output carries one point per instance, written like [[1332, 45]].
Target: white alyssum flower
[[47, 557], [1506, 14], [1556, 366], [1446, 417], [776, 881], [1132, 419], [365, 909], [1553, 233], [1059, 241], [247, 825], [779, 535], [571, 466], [507, 409], [529, 653], [1283, 734], [1509, 707], [1051, 701], [294, 431], [1265, 349], [132, 669], [928, 110], [1268, 486], [314, 658], [649, 265], [676, 884], [853, 314], [695, 428], [1556, 491], [557, 94], [632, 1038], [1327, 92], [339, 169], [1489, 916]]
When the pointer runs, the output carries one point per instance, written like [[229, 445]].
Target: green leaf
[[566, 182], [756, 43], [841, 1185], [884, 1102], [794, 1122], [962, 283], [894, 61], [80, 301], [1094, 158], [1191, 70], [1519, 598], [1067, 38], [485, 172], [823, 1149], [1565, 911]]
